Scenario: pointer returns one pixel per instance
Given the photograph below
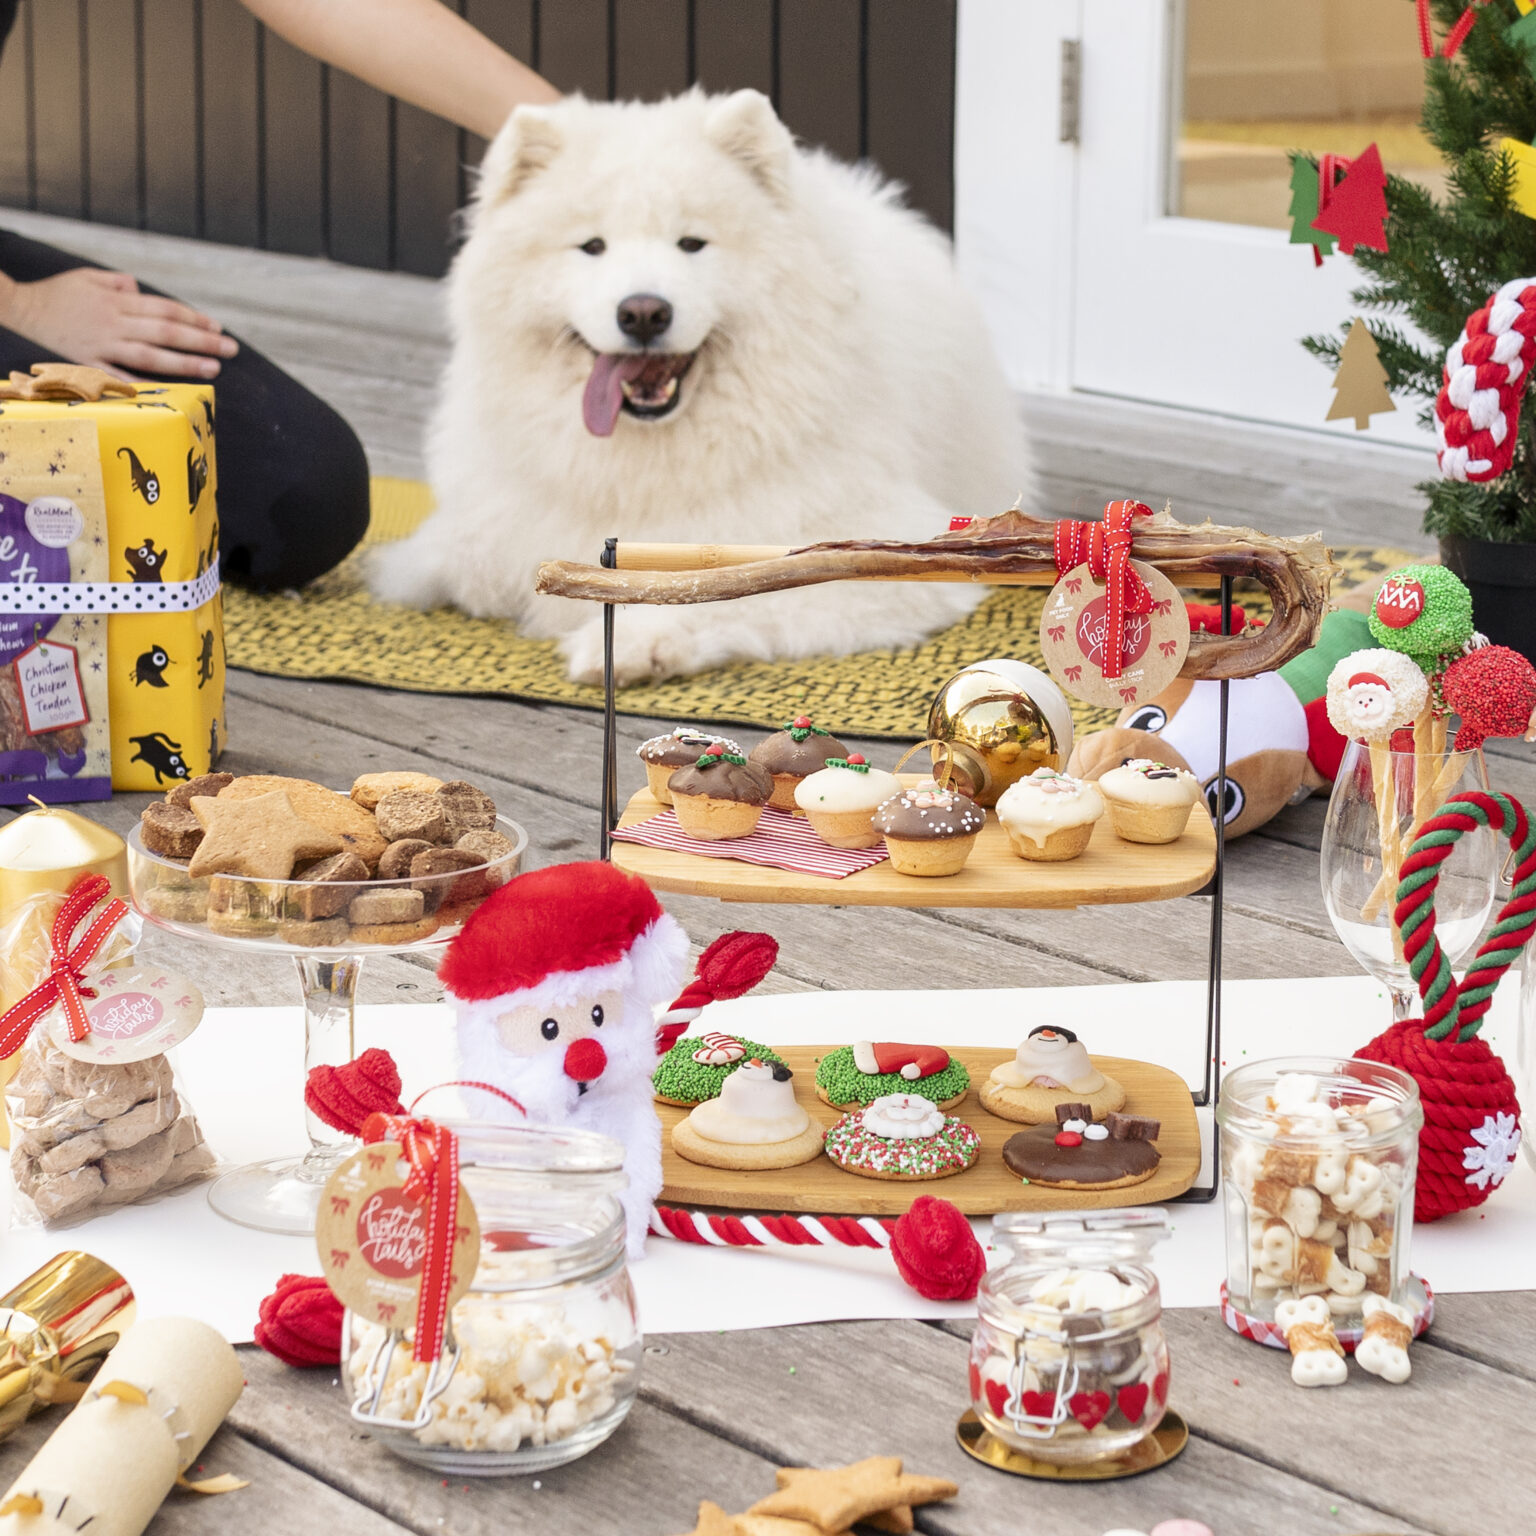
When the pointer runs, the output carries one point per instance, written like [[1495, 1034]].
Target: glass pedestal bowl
[[310, 921]]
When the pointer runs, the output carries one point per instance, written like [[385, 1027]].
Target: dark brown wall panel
[[733, 44], [16, 118], [294, 142], [114, 181], [573, 45], [426, 189], [361, 171], [232, 191], [58, 136], [650, 48], [510, 25], [172, 181], [909, 114], [819, 69]]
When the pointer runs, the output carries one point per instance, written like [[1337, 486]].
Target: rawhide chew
[[1373, 693], [1383, 1348], [1317, 1357], [1424, 611]]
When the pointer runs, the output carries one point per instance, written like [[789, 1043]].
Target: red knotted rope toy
[[64, 983], [730, 967], [300, 1322], [1106, 546], [1471, 1116]]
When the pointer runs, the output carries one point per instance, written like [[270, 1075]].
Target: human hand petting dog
[[92, 316]]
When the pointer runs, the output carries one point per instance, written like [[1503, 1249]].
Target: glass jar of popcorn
[[1318, 1156], [1068, 1362], [542, 1353]]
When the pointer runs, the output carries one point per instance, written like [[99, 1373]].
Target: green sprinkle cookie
[[679, 1079], [840, 1083]]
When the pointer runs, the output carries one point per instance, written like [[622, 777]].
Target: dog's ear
[[529, 140], [746, 127]]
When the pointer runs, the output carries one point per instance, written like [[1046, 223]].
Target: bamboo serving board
[[984, 1189], [1108, 871]]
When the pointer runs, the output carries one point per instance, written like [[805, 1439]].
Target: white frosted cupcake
[[1149, 802], [839, 801], [1048, 816]]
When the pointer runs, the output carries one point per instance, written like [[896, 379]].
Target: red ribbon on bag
[[432, 1150], [66, 972], [1106, 546]]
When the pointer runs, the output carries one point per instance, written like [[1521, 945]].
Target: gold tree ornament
[[1360, 385]]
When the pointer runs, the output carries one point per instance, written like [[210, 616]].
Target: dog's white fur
[[844, 386]]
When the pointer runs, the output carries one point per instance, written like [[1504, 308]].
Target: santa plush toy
[[556, 980]]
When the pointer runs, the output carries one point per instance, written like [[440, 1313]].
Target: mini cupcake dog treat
[[1077, 1154], [840, 800], [696, 1067], [1373, 693], [720, 796], [793, 754], [1149, 802], [755, 1123], [1050, 1068], [664, 755], [855, 1075], [1049, 817], [929, 830], [902, 1136]]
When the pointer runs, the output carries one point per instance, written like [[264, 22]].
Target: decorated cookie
[[755, 1123], [799, 750], [696, 1067], [664, 755], [928, 830], [1423, 611], [859, 1074], [1049, 816], [1373, 693], [902, 1136], [719, 796], [840, 801], [1074, 1153], [1050, 1068], [1149, 802]]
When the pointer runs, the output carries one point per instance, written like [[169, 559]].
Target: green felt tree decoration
[[1303, 210], [1446, 255]]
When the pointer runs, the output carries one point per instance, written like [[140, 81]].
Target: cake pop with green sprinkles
[[1424, 611]]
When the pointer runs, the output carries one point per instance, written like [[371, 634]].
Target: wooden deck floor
[[717, 1412]]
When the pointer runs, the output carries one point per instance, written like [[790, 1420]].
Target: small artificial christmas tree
[[1360, 386], [1444, 259]]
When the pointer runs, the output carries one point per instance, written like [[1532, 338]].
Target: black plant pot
[[1502, 580]]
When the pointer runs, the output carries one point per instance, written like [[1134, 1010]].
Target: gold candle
[[44, 852]]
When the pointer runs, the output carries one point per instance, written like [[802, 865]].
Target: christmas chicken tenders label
[[1075, 637], [372, 1237], [133, 1012]]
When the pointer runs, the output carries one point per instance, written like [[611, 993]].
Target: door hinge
[[1070, 124]]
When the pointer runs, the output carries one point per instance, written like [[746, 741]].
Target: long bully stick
[[1010, 548]]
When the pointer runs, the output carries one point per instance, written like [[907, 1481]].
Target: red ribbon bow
[[1106, 546], [1454, 38], [432, 1151], [66, 972]]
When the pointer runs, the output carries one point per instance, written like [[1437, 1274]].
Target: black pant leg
[[293, 477]]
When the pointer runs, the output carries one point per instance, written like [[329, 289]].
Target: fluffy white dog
[[670, 323]]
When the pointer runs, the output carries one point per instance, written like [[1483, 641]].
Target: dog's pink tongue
[[603, 397]]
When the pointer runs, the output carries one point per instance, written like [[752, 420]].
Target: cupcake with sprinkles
[[902, 1136], [695, 1069], [853, 1076], [929, 830], [1149, 802], [664, 755]]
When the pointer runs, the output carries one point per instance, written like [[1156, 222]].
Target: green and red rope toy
[[1471, 1128]]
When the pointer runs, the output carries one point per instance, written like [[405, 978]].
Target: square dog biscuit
[[393, 933], [327, 888], [170, 830], [395, 905], [409, 813]]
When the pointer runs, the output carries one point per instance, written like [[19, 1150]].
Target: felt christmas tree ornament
[[1360, 382], [1471, 1131]]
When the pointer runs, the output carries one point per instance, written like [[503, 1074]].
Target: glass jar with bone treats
[[1318, 1156], [547, 1337], [1069, 1362]]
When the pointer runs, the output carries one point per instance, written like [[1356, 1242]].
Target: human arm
[[418, 50]]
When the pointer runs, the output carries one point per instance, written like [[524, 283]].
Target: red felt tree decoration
[[1471, 1131], [1355, 211]]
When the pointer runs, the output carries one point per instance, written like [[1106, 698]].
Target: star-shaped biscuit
[[261, 838], [775, 1525], [65, 381], [838, 1497], [897, 1519], [713, 1521]]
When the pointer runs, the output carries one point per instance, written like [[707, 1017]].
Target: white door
[[1140, 246]]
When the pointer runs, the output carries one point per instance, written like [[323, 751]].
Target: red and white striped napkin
[[780, 840]]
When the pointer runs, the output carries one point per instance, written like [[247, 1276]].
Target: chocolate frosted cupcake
[[928, 830], [664, 755], [720, 795], [793, 754]]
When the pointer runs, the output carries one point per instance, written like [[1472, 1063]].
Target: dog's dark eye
[[597, 1015], [549, 1028], [691, 243], [595, 246]]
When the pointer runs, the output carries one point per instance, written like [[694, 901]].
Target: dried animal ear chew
[[1317, 1357]]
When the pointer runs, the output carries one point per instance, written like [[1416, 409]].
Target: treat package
[[100, 1121]]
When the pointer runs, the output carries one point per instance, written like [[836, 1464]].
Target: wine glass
[[1363, 850]]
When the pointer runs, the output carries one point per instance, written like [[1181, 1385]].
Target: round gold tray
[[1147, 1455]]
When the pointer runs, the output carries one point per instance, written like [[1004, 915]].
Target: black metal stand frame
[[1210, 1091]]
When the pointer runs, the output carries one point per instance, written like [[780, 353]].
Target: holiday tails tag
[[372, 1237], [137, 1011], [1074, 629]]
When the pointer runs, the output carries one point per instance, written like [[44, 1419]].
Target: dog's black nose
[[644, 316]]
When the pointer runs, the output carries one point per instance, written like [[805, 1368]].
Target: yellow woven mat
[[335, 630]]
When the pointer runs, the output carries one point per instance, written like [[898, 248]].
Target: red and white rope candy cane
[[1106, 546], [722, 1230], [1477, 413], [729, 967]]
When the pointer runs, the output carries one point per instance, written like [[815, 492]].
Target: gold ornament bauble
[[1004, 719]]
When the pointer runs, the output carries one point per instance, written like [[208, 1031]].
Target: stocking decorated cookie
[[1049, 1069], [855, 1075]]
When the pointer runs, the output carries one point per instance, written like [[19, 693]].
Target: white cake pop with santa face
[[1375, 692], [1050, 1067]]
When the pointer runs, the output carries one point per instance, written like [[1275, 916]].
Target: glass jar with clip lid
[[1069, 1363]]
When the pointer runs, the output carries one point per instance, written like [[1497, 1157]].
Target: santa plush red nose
[[585, 1060]]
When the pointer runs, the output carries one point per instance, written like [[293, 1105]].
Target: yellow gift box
[[165, 631]]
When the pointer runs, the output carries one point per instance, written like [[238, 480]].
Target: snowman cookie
[[754, 1124], [1051, 1067]]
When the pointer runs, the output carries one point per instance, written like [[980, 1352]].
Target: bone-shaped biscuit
[[1383, 1348], [1317, 1357]]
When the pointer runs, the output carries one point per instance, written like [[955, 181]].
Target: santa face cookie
[[754, 1124], [696, 1067], [1051, 1067], [855, 1075], [902, 1136], [1075, 1153]]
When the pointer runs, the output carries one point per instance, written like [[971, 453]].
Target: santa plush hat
[[555, 936]]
